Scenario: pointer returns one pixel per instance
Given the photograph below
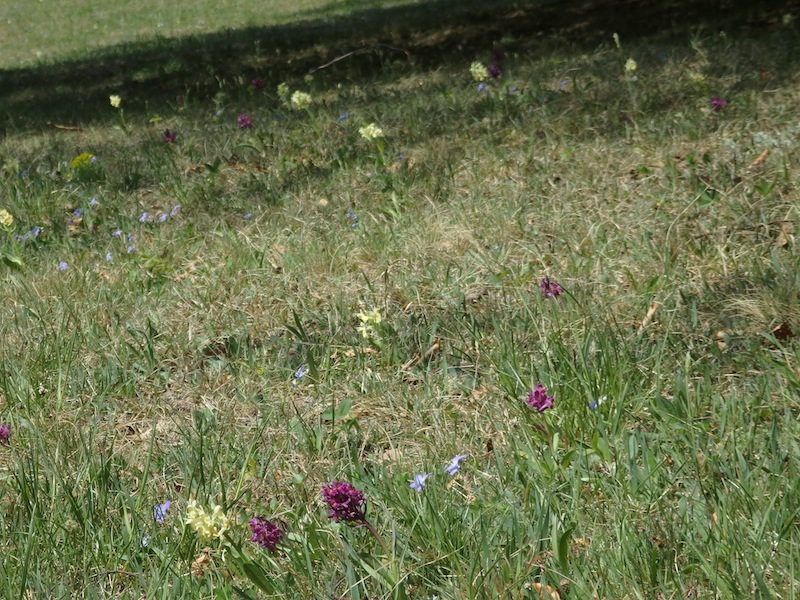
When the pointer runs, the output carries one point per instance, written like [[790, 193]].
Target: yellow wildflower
[[6, 219], [82, 161], [630, 65], [283, 91], [371, 132], [207, 526], [479, 71], [115, 100], [301, 100], [368, 322]]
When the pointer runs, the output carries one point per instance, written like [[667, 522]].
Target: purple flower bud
[[5, 433], [244, 121]]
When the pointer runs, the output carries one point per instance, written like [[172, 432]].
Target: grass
[[667, 465]]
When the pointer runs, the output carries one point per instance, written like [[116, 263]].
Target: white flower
[[371, 132], [115, 100], [630, 65], [301, 100], [479, 71]]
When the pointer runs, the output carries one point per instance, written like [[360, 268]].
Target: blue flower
[[342, 117], [63, 266], [174, 210], [78, 212], [455, 465], [248, 216], [108, 256], [143, 218], [117, 233], [93, 202], [160, 511], [418, 483], [299, 374], [352, 217], [162, 217]]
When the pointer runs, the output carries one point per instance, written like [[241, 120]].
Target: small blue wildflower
[[352, 217], [93, 202], [596, 403], [63, 266], [108, 256], [343, 117], [564, 83], [117, 233], [482, 88], [36, 231], [160, 511], [145, 541], [418, 483], [175, 210], [162, 217], [299, 374], [248, 216], [455, 465], [78, 212], [93, 160], [130, 237], [143, 218], [131, 249]]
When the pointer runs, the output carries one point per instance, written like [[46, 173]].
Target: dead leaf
[[783, 332], [545, 591], [722, 339], [648, 318], [760, 159], [787, 230], [201, 563]]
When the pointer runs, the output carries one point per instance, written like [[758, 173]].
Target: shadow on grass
[[431, 34]]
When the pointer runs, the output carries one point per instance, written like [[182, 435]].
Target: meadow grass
[[234, 312]]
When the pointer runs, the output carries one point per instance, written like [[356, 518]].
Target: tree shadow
[[430, 34]]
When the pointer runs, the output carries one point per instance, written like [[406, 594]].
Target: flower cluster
[[370, 132], [479, 71], [207, 526], [369, 320], [115, 101], [718, 103], [244, 121], [550, 289], [345, 503], [83, 161], [265, 533], [6, 218], [630, 65], [5, 433], [538, 398], [300, 100]]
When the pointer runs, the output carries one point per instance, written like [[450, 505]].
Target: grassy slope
[[166, 372]]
